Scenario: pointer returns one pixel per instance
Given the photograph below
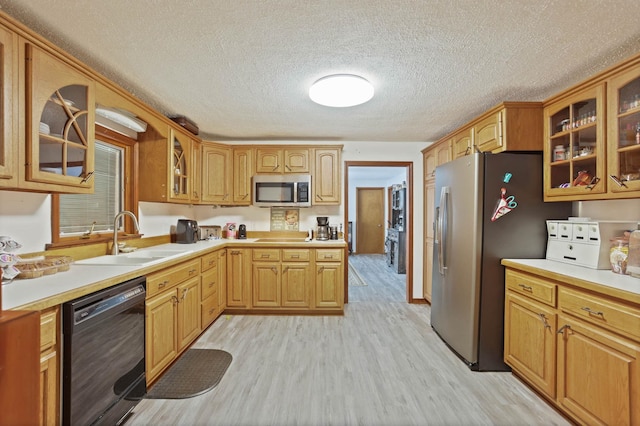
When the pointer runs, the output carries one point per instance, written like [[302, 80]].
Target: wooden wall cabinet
[[623, 137], [462, 143], [574, 147], [281, 160], [596, 126], [9, 145], [173, 314], [59, 124], [196, 172], [578, 347], [170, 168], [217, 173], [242, 174], [326, 176]]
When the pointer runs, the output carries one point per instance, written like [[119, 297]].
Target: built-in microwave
[[293, 190]]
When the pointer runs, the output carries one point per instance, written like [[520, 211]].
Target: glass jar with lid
[[618, 253]]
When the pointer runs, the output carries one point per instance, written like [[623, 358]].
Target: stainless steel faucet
[[115, 250]]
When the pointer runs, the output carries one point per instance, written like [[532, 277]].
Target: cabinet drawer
[[606, 313], [266, 254], [294, 255], [209, 311], [48, 328], [328, 255], [209, 284], [157, 283], [208, 261], [531, 286]]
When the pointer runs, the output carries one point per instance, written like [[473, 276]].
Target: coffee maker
[[322, 232]]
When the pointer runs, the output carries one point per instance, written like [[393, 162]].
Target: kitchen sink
[[280, 240], [140, 258]]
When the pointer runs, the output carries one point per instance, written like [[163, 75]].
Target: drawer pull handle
[[212, 261], [192, 271], [592, 312], [163, 284], [543, 318], [526, 287], [561, 330], [212, 283], [328, 256], [265, 256], [212, 310], [295, 256]]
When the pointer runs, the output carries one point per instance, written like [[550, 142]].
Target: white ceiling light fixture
[[341, 90]]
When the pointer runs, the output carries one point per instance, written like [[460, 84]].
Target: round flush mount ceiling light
[[341, 90]]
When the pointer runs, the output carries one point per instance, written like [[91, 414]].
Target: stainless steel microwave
[[292, 190]]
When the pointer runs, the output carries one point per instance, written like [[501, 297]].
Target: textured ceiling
[[241, 69]]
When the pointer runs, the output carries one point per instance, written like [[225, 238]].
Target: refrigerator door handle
[[442, 225]]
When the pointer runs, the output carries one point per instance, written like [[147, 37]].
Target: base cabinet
[[530, 341], [598, 374], [304, 280], [172, 314], [238, 278], [579, 348], [329, 279], [49, 360], [281, 278]]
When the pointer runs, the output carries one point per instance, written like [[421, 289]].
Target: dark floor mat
[[196, 372]]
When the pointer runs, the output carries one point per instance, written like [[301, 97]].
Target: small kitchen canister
[[618, 253], [559, 153]]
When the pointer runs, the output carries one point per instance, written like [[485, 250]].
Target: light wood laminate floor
[[379, 364]]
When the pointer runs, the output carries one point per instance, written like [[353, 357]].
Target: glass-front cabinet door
[[180, 167], [574, 146], [60, 123], [624, 132]]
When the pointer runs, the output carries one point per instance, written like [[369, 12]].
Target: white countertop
[[22, 292], [604, 277]]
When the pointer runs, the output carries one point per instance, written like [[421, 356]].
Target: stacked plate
[[44, 128]]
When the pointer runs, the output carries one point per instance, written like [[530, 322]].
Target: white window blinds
[[79, 211]]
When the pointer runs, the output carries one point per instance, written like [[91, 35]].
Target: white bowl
[[44, 128]]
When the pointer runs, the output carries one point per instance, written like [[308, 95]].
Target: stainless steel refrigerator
[[487, 207]]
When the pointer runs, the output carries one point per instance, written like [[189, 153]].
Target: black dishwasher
[[103, 355]]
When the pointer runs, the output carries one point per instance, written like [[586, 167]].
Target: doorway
[[370, 228], [405, 170]]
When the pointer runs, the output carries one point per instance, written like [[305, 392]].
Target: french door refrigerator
[[487, 207]]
